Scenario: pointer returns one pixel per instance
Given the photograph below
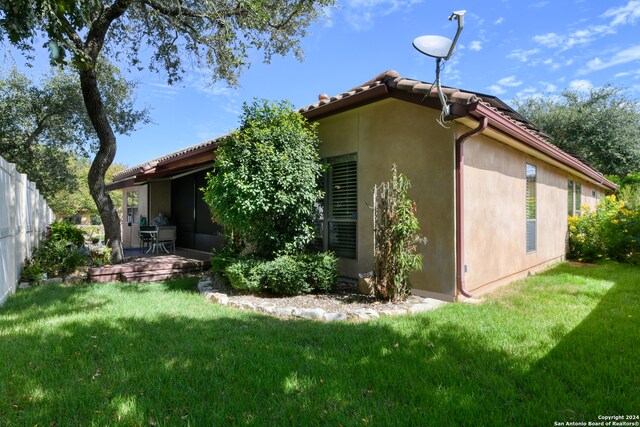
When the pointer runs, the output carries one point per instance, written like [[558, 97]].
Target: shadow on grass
[[593, 370], [219, 366]]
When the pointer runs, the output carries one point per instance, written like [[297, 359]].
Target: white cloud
[[509, 82], [475, 45], [362, 14], [549, 39], [522, 55], [624, 56], [627, 14], [498, 21], [581, 85], [549, 87], [623, 74], [539, 5], [496, 90]]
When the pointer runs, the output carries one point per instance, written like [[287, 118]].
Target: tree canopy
[[218, 35], [44, 125], [71, 201], [601, 127], [265, 180]]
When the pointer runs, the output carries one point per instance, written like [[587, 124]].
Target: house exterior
[[492, 194]]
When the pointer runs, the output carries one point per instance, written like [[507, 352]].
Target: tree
[[601, 127], [72, 201], [264, 185], [44, 126], [216, 34]]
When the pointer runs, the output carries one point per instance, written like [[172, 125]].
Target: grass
[[561, 346]]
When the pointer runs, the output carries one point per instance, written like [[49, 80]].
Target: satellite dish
[[440, 48], [433, 46]]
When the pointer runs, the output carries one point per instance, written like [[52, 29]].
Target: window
[[531, 173], [341, 204], [570, 198], [578, 198], [132, 207]]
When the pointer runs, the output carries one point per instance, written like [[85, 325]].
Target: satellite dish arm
[[458, 16]]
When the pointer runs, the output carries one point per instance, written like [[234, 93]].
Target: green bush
[[246, 273], [100, 255], [66, 232], [53, 258], [321, 270], [264, 184], [222, 258], [610, 231], [285, 275]]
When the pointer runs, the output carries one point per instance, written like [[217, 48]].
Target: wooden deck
[[151, 267]]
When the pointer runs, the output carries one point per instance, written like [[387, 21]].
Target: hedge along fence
[[24, 217]]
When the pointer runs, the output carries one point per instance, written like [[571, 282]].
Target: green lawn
[[561, 346]]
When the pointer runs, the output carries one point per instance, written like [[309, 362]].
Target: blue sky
[[508, 49]]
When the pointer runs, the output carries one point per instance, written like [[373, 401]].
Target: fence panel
[[24, 217]]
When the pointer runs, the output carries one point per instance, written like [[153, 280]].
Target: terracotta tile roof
[[160, 160], [393, 81]]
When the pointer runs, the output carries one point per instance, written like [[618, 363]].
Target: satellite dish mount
[[441, 48]]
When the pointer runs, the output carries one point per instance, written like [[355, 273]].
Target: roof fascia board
[[504, 126]]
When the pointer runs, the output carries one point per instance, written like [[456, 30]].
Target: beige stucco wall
[[394, 131], [159, 198], [130, 233], [495, 216]]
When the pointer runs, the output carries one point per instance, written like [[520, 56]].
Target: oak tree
[[216, 34]]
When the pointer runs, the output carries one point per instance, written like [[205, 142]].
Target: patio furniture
[[146, 237], [166, 235]]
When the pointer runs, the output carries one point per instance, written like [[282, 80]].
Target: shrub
[[610, 231], [321, 270], [264, 184], [100, 255], [53, 258], [222, 258], [287, 275], [246, 273], [66, 232], [396, 238]]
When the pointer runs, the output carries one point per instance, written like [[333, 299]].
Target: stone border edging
[[206, 289]]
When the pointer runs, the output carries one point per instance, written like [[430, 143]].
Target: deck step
[[156, 275]]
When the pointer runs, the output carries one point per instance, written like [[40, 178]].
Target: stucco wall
[[495, 215], [393, 131]]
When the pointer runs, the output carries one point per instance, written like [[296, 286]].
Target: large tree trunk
[[104, 158]]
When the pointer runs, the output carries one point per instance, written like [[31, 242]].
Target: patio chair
[[166, 235], [146, 237]]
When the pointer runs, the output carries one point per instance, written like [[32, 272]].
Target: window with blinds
[[531, 202], [342, 206]]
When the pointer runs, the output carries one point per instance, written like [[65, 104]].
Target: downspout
[[460, 204]]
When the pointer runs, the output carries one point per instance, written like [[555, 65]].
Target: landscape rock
[[284, 311], [24, 285], [52, 281], [311, 313], [335, 317], [266, 308], [75, 280], [392, 312], [219, 298], [365, 314], [246, 306]]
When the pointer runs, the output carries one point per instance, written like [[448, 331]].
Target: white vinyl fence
[[24, 217]]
